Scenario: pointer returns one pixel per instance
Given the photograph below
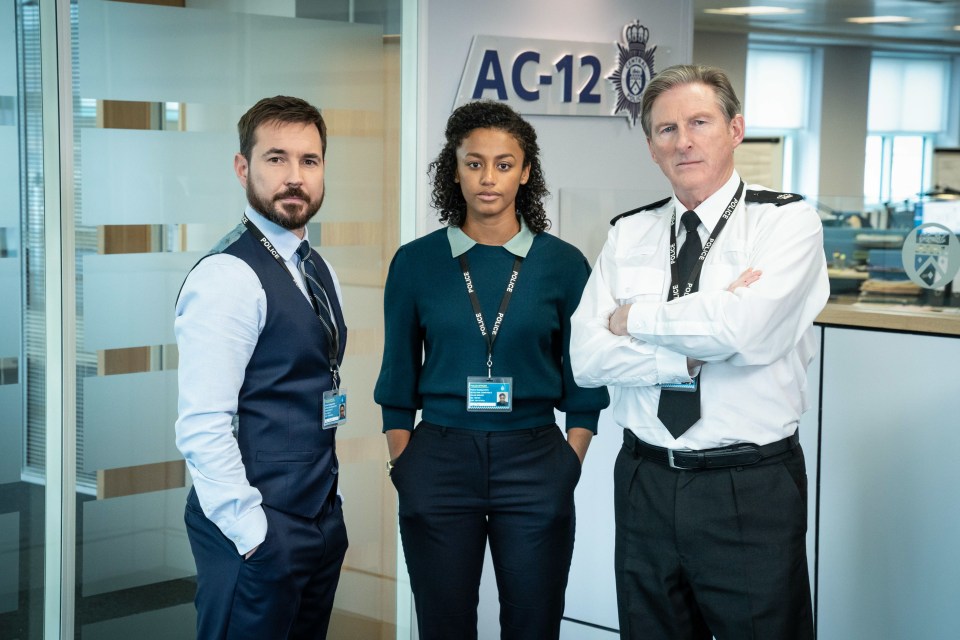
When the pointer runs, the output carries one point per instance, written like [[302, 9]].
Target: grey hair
[[682, 74]]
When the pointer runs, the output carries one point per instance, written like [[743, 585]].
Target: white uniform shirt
[[756, 342]]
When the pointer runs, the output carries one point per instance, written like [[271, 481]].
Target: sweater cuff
[[394, 418], [583, 419]]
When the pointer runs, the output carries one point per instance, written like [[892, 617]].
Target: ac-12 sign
[[540, 76], [491, 77]]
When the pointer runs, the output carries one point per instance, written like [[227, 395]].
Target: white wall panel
[[591, 590], [889, 521], [129, 299], [585, 214]]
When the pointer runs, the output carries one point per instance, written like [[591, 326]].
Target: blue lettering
[[490, 64], [521, 91]]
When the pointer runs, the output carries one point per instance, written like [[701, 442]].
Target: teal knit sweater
[[432, 341]]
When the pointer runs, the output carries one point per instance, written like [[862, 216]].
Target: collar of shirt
[[518, 245], [283, 240], [712, 208]]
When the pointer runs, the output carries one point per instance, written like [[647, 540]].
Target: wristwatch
[[390, 464]]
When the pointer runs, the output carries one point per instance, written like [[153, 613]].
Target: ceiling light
[[753, 11], [880, 19]]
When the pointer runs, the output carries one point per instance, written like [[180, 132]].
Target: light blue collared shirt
[[220, 313], [518, 245]]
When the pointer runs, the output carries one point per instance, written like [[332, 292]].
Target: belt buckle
[[672, 463]]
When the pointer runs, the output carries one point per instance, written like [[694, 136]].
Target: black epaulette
[[646, 207], [773, 197]]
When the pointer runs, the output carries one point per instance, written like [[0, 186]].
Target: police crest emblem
[[634, 70]]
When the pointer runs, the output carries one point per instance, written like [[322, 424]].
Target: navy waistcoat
[[287, 454]]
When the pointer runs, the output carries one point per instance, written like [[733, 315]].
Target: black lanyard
[[695, 272], [333, 334], [504, 303]]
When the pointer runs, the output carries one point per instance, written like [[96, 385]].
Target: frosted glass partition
[[134, 541], [129, 419], [160, 624], [9, 561], [11, 433], [153, 195], [333, 64], [8, 51], [9, 176], [167, 177], [9, 307], [129, 299], [158, 177], [351, 193], [357, 264]]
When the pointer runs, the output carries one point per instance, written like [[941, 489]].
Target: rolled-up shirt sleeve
[[219, 316]]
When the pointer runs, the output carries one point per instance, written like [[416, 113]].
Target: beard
[[288, 216]]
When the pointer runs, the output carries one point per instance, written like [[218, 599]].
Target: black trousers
[[458, 488], [712, 552], [284, 590]]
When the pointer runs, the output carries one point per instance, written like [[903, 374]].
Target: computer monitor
[[945, 212]]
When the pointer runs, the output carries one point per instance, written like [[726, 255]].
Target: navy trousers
[[459, 488], [284, 590], [712, 553]]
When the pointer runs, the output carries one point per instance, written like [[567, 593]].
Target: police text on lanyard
[[504, 303], [695, 272], [332, 333]]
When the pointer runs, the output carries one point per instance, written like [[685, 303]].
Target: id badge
[[334, 408], [688, 387], [489, 394]]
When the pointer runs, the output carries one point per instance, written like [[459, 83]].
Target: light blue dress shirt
[[220, 313]]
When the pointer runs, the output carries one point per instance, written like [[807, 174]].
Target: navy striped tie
[[318, 295]]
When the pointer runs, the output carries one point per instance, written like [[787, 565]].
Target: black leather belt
[[735, 455]]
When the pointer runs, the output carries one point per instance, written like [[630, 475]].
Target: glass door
[[23, 319], [147, 135]]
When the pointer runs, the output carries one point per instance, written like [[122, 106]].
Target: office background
[[117, 122]]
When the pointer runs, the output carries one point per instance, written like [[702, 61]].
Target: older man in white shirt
[[699, 314]]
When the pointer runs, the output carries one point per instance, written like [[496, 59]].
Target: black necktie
[[678, 410], [318, 295]]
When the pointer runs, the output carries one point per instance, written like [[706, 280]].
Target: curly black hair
[[488, 114]]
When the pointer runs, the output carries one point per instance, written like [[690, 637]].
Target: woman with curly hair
[[477, 334]]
